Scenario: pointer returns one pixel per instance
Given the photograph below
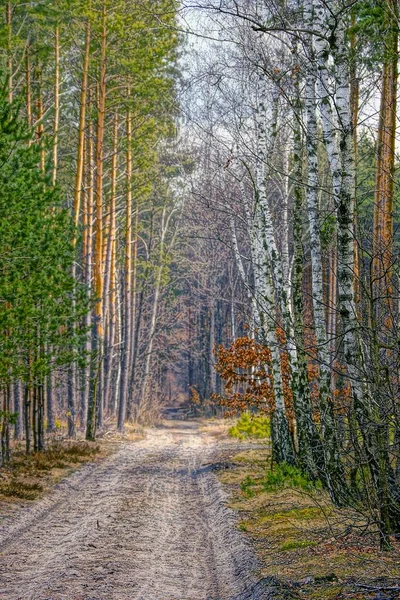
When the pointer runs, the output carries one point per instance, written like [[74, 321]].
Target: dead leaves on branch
[[246, 369]]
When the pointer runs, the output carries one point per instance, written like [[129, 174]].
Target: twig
[[378, 588]]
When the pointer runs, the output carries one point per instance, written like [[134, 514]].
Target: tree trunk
[[87, 265], [9, 51], [81, 129], [268, 264], [56, 102], [40, 116], [334, 471], [127, 317], [28, 90], [110, 276], [97, 335], [51, 426], [309, 441], [18, 410]]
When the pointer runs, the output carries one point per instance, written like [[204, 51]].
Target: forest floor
[[147, 522], [319, 551]]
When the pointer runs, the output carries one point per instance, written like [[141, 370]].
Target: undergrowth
[[301, 538], [20, 489], [23, 477], [251, 426], [280, 477], [58, 455]]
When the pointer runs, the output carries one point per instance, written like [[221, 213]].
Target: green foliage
[[280, 477], [247, 486], [39, 299], [9, 417], [251, 426], [328, 230], [373, 27], [286, 476]]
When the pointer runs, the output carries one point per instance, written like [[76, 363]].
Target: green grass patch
[[247, 486], [251, 426], [296, 544]]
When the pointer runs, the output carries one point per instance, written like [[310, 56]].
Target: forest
[[199, 211]]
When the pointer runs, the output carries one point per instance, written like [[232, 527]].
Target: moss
[[294, 544]]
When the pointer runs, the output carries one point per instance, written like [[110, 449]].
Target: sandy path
[[148, 523]]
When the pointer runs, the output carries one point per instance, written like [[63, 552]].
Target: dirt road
[[148, 523]]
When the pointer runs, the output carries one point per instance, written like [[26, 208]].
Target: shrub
[[251, 426], [280, 477], [286, 476], [20, 489]]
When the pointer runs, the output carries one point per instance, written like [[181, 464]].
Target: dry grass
[[215, 427], [304, 540], [27, 477]]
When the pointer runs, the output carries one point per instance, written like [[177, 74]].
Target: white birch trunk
[[334, 473], [321, 23], [268, 263]]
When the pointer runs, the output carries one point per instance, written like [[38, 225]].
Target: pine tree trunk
[[28, 90], [98, 266], [27, 417], [127, 317], [135, 322], [71, 400], [40, 116], [56, 103], [87, 264], [81, 129], [110, 265], [18, 410], [10, 72], [382, 273], [95, 397], [51, 426], [5, 427], [384, 183]]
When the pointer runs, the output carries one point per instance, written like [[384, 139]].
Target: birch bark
[[267, 262], [334, 472]]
